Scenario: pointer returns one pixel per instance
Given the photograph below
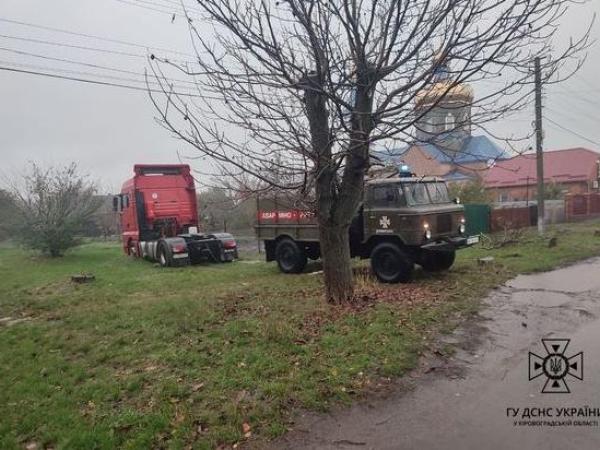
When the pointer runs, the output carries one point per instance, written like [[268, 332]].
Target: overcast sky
[[106, 129]]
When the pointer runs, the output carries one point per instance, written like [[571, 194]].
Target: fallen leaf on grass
[[241, 396], [196, 387]]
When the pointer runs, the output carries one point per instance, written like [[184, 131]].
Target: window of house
[[438, 124], [450, 122]]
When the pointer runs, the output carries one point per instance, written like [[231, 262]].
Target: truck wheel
[[433, 261], [290, 257], [164, 255], [391, 264], [132, 248]]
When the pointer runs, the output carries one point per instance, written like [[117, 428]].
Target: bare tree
[[105, 219], [296, 92], [7, 206], [52, 206]]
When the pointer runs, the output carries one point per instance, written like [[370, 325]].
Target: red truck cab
[[159, 218]]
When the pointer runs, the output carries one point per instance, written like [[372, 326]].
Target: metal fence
[[513, 217], [483, 218], [478, 218], [582, 206]]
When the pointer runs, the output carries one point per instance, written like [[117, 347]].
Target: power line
[[567, 109], [169, 5], [583, 99], [575, 91], [165, 5], [173, 2], [152, 8], [144, 7], [64, 60], [92, 36], [82, 47], [575, 133], [79, 47], [120, 85], [85, 64], [102, 83], [585, 81], [80, 73]]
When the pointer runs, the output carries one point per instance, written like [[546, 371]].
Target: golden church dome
[[461, 93]]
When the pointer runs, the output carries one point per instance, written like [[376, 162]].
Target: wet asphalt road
[[461, 402]]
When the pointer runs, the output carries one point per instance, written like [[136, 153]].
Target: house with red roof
[[575, 170]]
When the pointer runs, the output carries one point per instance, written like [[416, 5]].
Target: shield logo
[[556, 366]]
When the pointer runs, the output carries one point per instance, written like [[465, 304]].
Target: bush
[[470, 192], [52, 207]]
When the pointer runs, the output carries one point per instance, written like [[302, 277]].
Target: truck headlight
[[427, 231], [462, 228]]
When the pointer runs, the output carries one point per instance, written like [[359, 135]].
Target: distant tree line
[[220, 210]]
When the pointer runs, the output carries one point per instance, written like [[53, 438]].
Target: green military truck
[[401, 222]]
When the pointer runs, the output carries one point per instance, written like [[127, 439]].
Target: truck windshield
[[438, 192], [421, 193], [416, 193]]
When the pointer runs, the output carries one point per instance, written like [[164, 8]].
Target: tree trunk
[[335, 209], [337, 265]]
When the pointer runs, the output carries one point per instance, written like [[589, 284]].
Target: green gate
[[478, 218]]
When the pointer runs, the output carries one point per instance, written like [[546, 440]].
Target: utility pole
[[539, 138]]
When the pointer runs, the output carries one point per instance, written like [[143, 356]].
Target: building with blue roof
[[444, 145]]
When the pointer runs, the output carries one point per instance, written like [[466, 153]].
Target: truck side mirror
[[389, 196], [117, 203]]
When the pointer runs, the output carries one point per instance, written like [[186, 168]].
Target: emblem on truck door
[[384, 222]]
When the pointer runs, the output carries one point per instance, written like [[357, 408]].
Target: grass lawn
[[213, 355]]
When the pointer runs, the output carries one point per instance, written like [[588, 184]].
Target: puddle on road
[[579, 278], [545, 299]]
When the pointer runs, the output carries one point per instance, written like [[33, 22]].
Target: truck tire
[[436, 261], [164, 255], [132, 248], [391, 264], [290, 257]]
